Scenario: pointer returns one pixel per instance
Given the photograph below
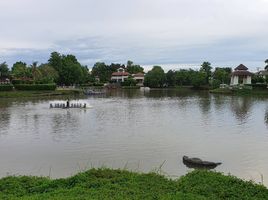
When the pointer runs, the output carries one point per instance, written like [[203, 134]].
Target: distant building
[[139, 77], [119, 76], [4, 81], [241, 75], [262, 73]]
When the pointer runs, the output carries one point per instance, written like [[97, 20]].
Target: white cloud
[[149, 31]]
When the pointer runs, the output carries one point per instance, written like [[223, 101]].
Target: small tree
[[129, 82], [4, 70]]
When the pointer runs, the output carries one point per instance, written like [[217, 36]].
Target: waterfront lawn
[[120, 184]]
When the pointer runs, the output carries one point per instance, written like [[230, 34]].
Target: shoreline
[[22, 94], [105, 183]]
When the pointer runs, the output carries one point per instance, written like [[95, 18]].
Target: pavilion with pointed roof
[[241, 75]]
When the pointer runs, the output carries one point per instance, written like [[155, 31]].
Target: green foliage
[[257, 79], [155, 78], [6, 87], [206, 67], [4, 70], [171, 78], [129, 82], [20, 70], [101, 70], [35, 86], [21, 81], [121, 185], [266, 62], [198, 79], [46, 74], [183, 77], [216, 83], [133, 69], [70, 71], [214, 185], [222, 75]]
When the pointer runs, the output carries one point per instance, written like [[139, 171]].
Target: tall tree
[[206, 67], [4, 70], [102, 70], [155, 78], [266, 62], [133, 69], [55, 61], [69, 69], [47, 74], [222, 74], [34, 70], [20, 70], [171, 78]]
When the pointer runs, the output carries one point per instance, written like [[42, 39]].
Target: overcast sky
[[172, 33]]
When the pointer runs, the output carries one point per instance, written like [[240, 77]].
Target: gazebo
[[241, 75]]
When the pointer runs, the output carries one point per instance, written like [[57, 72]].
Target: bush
[[259, 86], [35, 87], [6, 87], [216, 83], [18, 81], [98, 84]]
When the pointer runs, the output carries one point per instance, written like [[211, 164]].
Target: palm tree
[[34, 68]]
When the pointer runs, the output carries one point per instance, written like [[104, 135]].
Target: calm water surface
[[135, 130]]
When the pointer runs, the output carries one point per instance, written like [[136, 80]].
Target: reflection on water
[[241, 107], [142, 129]]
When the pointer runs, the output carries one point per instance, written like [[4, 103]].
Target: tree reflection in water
[[266, 117], [241, 107]]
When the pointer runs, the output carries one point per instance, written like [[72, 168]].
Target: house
[[4, 81], [139, 77], [241, 75], [119, 76], [262, 73]]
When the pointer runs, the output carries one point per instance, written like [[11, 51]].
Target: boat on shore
[[197, 163]]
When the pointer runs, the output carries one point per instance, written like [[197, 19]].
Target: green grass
[[120, 184], [17, 94]]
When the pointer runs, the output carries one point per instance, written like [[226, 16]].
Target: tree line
[[67, 70]]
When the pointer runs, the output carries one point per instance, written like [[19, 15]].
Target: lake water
[[137, 131]]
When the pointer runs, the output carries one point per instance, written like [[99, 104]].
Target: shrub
[[35, 87], [19, 81], [6, 87], [216, 83], [259, 86], [98, 84]]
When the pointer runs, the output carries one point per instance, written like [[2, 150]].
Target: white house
[[241, 75], [119, 76], [139, 77]]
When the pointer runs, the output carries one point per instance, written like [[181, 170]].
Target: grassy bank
[[118, 184], [17, 94], [245, 92]]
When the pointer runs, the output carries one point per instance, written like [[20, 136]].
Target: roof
[[242, 73], [262, 73], [120, 74], [139, 75], [241, 67]]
